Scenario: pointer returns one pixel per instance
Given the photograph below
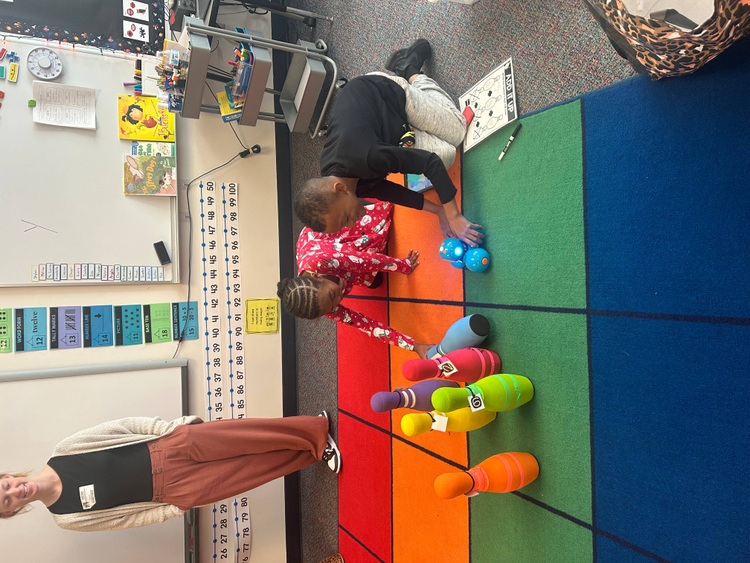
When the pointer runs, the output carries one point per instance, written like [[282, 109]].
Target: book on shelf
[[153, 148], [149, 175], [141, 118], [228, 113]]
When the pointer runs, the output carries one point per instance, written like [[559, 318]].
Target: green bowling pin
[[499, 392]]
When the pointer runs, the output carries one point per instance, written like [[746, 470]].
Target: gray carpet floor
[[558, 53]]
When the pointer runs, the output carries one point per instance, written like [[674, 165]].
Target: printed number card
[[31, 329], [185, 320], [64, 327], [157, 322], [261, 316], [128, 325], [97, 326], [6, 330]]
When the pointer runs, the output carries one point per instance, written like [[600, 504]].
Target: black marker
[[507, 145]]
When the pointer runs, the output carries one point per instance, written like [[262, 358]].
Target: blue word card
[[31, 329], [97, 326], [128, 325], [185, 320]]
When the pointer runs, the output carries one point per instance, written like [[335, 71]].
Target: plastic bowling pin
[[464, 333], [461, 420], [499, 392], [467, 365], [418, 396], [501, 473]]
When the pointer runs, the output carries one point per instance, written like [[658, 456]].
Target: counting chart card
[[493, 101], [128, 325], [224, 346], [65, 327], [97, 326], [157, 322], [185, 320], [31, 329], [6, 330]]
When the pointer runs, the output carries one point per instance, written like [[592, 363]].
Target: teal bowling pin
[[468, 332], [497, 393]]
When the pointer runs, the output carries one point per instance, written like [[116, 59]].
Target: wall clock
[[44, 63]]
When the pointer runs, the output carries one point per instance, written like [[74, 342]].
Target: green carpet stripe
[[531, 206]]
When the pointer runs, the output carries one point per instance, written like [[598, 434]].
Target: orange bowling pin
[[501, 473]]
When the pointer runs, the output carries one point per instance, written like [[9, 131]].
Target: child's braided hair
[[299, 296]]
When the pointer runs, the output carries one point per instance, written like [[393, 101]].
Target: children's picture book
[[141, 119], [153, 148], [228, 112], [150, 175]]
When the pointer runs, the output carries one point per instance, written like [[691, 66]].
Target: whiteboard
[[40, 408], [61, 194]]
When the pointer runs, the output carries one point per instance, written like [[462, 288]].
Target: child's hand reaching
[[413, 259], [421, 349]]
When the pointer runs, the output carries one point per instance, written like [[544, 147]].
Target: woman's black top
[[103, 479]]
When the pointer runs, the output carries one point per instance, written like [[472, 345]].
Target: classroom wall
[[203, 144]]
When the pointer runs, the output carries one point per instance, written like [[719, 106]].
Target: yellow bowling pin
[[461, 420]]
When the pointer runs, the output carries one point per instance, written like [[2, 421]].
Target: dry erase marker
[[507, 145]]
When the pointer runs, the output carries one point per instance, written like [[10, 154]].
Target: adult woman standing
[[137, 471]]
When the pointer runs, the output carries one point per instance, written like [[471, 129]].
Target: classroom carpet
[[619, 229]]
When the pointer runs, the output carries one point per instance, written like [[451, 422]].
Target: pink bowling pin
[[418, 396], [465, 364]]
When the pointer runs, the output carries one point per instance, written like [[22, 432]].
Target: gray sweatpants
[[439, 126]]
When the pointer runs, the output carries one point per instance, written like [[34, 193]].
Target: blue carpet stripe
[[592, 449], [738, 321]]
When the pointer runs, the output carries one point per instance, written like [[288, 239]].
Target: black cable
[[230, 123]]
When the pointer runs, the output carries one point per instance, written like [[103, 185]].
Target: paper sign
[[135, 10], [135, 31], [439, 422], [261, 316], [64, 105]]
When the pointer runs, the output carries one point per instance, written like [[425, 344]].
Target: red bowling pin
[[467, 365], [501, 473]]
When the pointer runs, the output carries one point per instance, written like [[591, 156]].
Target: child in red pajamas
[[330, 265]]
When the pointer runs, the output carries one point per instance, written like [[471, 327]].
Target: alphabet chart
[[224, 346]]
